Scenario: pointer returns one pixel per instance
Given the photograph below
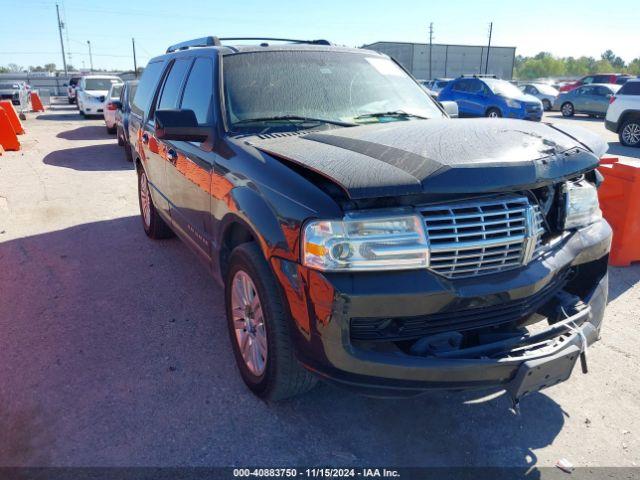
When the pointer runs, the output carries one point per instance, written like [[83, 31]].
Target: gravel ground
[[114, 351]]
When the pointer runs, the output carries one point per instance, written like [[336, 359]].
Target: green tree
[[4, 69], [634, 67], [615, 61], [50, 67]]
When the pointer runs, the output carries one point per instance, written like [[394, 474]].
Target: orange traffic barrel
[[7, 106], [8, 138], [36, 103], [619, 197]]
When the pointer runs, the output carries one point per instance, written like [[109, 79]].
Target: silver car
[[543, 92], [16, 92], [592, 99]]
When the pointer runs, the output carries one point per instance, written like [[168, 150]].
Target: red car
[[617, 78]]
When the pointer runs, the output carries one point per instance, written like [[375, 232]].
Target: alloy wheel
[[248, 322], [567, 109], [631, 133], [145, 199]]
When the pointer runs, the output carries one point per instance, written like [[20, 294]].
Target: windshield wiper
[[393, 113], [293, 118]]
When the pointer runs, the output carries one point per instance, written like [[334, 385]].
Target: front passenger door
[[190, 164]]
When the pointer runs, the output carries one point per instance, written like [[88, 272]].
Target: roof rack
[[216, 42], [480, 75]]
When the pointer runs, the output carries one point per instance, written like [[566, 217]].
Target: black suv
[[362, 235]]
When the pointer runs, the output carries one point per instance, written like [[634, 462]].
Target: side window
[[146, 87], [589, 91], [534, 91], [171, 89], [630, 88], [475, 86], [461, 86], [198, 91], [587, 80], [602, 91]]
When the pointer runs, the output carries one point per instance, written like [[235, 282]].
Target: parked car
[[437, 84], [490, 97], [591, 99], [543, 92], [616, 78], [623, 114], [112, 103], [16, 92], [123, 110], [362, 236], [71, 89], [91, 93]]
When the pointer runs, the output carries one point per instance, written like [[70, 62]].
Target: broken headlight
[[363, 242], [581, 206]]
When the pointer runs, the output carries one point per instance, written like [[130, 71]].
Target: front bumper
[[323, 306], [524, 113]]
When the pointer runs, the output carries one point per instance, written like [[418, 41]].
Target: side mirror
[[451, 108], [180, 125]]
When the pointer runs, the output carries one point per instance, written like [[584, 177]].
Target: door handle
[[145, 138], [172, 156]]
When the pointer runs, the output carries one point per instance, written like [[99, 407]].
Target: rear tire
[[119, 136], [546, 105], [493, 113], [111, 131], [127, 151], [630, 133], [154, 225], [567, 109], [71, 101], [280, 374]]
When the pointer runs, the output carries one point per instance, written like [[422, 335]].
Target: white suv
[[92, 92], [623, 114]]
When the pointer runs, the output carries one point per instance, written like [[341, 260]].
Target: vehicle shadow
[[577, 117], [88, 132], [622, 279], [60, 116], [122, 342], [102, 157], [615, 148]]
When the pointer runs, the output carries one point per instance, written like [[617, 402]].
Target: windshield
[[9, 86], [503, 88], [546, 89], [335, 86], [99, 83]]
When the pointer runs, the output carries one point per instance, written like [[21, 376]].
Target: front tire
[[111, 131], [259, 328], [630, 133], [154, 225], [493, 113], [567, 109]]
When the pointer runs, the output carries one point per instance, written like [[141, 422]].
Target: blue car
[[491, 97]]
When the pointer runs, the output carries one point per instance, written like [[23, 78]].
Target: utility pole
[[135, 65], [90, 56], [60, 26], [430, 48], [486, 68]]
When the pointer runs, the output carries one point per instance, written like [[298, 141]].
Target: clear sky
[[29, 34]]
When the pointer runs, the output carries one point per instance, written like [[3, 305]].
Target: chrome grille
[[482, 236]]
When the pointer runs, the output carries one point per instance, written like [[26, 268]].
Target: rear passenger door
[[601, 99], [190, 164]]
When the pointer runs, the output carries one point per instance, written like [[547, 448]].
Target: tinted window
[[601, 79], [171, 89], [630, 88], [587, 80], [603, 91], [462, 86], [199, 90], [146, 87]]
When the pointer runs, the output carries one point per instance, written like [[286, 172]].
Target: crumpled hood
[[438, 156]]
